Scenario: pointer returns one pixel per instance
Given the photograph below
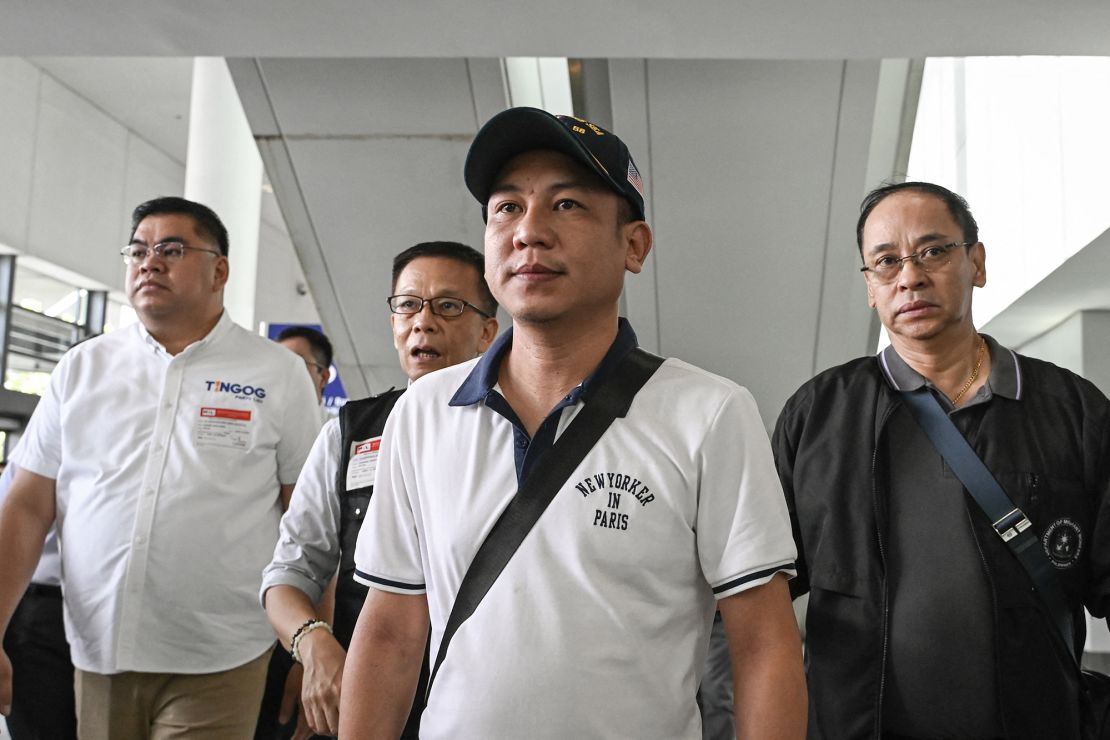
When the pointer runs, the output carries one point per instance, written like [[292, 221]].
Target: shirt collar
[[222, 327], [483, 377], [1004, 379]]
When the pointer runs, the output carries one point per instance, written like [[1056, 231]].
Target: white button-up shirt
[[168, 471]]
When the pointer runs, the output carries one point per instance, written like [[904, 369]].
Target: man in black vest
[[442, 314]]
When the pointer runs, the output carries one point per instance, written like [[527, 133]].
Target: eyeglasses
[[886, 268], [136, 254], [444, 306]]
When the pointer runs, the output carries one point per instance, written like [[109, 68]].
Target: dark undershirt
[[940, 673]]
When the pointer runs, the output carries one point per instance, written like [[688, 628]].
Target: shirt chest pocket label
[[222, 427], [364, 463]]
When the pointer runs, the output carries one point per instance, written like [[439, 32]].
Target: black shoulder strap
[[611, 399], [1008, 520]]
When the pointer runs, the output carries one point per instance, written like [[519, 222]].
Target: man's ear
[[489, 333], [978, 255], [637, 240], [870, 293], [223, 269]]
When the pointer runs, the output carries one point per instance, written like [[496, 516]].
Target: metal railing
[[40, 337]]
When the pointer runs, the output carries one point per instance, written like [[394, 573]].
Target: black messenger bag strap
[[1009, 522], [611, 399]]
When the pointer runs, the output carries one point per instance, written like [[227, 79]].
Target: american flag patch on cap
[[635, 179]]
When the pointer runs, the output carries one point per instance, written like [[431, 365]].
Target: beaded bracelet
[[304, 629]]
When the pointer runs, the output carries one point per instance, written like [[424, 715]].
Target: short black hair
[[453, 251], [956, 205], [321, 347], [208, 224]]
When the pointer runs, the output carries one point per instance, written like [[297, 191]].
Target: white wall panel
[[19, 89], [277, 299], [77, 194], [742, 160]]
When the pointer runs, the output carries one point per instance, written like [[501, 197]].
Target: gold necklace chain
[[974, 373]]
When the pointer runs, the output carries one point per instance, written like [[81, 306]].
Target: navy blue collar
[[483, 377]]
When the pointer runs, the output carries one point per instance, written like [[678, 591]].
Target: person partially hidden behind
[[442, 313], [922, 623]]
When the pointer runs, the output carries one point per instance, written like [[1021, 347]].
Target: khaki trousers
[[168, 706]]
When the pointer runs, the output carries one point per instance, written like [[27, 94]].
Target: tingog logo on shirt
[[239, 390]]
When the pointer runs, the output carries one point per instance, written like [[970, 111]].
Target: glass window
[[1024, 140]]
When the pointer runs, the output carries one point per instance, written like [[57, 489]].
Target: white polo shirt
[[168, 471], [599, 625]]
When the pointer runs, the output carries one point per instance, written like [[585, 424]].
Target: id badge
[[223, 427], [364, 463]]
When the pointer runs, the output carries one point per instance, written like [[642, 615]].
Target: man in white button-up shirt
[[165, 452]]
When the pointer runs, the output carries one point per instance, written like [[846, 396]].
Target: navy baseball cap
[[519, 130]]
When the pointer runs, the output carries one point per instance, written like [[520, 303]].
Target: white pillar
[[224, 171]]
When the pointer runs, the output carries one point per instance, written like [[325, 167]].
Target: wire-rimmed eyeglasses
[[135, 254], [887, 267]]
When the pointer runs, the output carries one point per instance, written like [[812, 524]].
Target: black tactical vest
[[358, 421]]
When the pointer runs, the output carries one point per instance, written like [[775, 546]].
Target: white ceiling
[[751, 29], [150, 96]]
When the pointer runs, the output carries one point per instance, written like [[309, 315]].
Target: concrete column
[[224, 171]]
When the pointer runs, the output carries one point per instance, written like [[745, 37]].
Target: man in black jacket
[[921, 622], [442, 313]]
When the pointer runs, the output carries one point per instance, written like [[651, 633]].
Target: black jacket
[[1050, 451]]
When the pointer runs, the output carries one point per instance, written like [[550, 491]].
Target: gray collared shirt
[[1004, 379], [940, 666]]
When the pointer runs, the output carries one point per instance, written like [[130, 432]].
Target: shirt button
[[140, 540], [358, 512], [522, 443]]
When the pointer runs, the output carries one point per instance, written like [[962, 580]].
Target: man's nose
[[425, 318], [533, 229], [911, 273], [152, 262]]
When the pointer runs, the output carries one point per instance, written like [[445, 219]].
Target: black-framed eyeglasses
[[135, 254], [887, 267], [445, 306]]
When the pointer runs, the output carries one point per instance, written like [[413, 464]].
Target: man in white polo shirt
[[165, 452], [599, 623]]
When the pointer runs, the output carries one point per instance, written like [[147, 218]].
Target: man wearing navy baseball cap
[[565, 536]]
